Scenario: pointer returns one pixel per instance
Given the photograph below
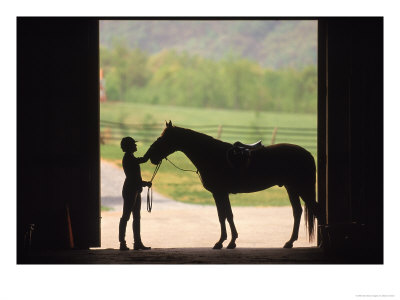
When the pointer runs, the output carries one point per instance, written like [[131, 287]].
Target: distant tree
[[179, 78]]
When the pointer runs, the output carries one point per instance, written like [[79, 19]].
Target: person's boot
[[123, 246], [122, 230], [137, 245]]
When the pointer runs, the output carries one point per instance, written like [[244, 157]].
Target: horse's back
[[285, 150], [284, 160]]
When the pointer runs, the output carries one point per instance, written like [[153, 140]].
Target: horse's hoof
[[217, 246], [231, 246], [288, 245]]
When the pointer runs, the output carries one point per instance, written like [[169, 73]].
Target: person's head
[[128, 144]]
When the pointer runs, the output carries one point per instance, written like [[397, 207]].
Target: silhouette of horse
[[285, 165]]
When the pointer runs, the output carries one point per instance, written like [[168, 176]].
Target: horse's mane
[[198, 136]]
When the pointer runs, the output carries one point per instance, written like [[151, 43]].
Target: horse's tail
[[310, 204], [309, 217]]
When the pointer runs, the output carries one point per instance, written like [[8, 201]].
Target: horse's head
[[163, 146]]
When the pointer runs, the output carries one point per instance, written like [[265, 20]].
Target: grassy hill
[[273, 44]]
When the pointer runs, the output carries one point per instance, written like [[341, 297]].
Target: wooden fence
[[306, 137]]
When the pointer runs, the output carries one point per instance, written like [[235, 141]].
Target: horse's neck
[[198, 149]]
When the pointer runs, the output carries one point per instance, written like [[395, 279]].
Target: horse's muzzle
[[155, 161]]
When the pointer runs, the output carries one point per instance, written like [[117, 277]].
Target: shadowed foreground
[[311, 255]]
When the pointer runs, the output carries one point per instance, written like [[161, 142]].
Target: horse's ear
[[170, 123]]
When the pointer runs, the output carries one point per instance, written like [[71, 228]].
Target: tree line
[[179, 78]]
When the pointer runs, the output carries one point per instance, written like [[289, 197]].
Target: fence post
[[219, 132], [105, 135], [274, 135]]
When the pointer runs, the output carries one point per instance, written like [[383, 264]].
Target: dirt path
[[172, 224]]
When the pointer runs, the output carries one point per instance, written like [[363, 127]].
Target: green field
[[186, 186]]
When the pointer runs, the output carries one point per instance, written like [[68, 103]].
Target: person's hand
[[149, 184], [146, 156]]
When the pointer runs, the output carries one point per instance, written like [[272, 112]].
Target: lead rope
[[150, 190]]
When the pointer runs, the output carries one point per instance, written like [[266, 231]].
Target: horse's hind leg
[[312, 209], [229, 216], [297, 211], [219, 202]]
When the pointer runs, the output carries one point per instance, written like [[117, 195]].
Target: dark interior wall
[[57, 131], [354, 122]]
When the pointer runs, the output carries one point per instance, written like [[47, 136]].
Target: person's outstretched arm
[[143, 159]]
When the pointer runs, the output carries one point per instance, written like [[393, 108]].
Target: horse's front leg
[[221, 216]]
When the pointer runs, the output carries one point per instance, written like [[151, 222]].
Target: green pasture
[[186, 186]]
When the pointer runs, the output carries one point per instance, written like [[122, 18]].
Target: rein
[[150, 189], [186, 170]]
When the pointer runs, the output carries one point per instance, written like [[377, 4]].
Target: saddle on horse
[[239, 155]]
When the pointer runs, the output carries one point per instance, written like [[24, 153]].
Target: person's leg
[[126, 212], [138, 245]]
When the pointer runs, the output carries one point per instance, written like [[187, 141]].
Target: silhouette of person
[[131, 192]]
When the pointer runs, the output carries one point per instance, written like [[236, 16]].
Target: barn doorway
[[241, 94]]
